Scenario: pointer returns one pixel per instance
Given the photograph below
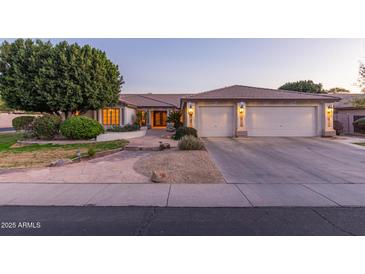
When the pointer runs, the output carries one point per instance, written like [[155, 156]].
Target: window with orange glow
[[111, 116]]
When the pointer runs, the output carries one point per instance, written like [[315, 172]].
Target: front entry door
[[159, 118]]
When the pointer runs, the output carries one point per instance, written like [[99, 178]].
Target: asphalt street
[[113, 221]]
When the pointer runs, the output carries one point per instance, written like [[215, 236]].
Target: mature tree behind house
[[362, 77], [360, 101], [56, 79], [338, 90], [303, 86]]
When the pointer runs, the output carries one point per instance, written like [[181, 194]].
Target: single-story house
[[154, 108], [230, 111], [346, 113], [250, 111]]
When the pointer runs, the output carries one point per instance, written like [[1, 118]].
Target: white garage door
[[281, 121], [215, 121]]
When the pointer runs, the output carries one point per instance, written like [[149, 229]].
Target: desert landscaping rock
[[159, 177], [61, 162]]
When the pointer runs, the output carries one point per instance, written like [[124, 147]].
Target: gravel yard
[[194, 167]]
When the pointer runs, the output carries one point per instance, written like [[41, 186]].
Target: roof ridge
[[277, 90], [203, 92]]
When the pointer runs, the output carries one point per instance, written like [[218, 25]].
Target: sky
[[196, 65]]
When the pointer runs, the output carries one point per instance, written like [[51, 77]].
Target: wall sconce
[[242, 107], [190, 109], [329, 109]]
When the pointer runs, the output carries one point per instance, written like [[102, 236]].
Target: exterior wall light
[[190, 109], [242, 106]]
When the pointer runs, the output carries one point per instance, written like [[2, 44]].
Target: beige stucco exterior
[[323, 117]]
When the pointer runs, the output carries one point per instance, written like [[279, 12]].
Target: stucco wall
[[130, 115], [346, 118], [320, 110], [7, 118], [89, 113], [111, 136]]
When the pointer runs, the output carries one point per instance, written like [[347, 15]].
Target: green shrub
[[46, 127], [91, 152], [190, 142], [81, 127], [23, 122], [126, 128], [338, 127], [359, 125], [183, 131], [175, 118]]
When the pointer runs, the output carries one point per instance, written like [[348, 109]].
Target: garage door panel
[[215, 121], [281, 121]]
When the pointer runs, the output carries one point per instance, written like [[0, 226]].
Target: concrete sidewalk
[[183, 195]]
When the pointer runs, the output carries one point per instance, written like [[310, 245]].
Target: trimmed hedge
[[46, 127], [23, 122], [126, 128], [190, 142], [184, 131], [81, 127]]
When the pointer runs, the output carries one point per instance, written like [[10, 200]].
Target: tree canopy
[[362, 77], [303, 86], [61, 78], [338, 90]]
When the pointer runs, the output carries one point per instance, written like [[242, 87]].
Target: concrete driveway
[[287, 161], [292, 171]]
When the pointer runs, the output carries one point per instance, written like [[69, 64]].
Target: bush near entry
[[80, 127], [175, 118], [184, 131], [46, 127], [190, 142], [23, 122]]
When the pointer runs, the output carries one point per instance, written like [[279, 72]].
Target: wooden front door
[[159, 118]]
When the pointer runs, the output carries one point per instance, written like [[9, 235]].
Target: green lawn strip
[[7, 140], [360, 144]]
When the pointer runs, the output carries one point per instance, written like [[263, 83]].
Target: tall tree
[[362, 77], [338, 90], [62, 78], [303, 86]]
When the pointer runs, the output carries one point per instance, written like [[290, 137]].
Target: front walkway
[[152, 140]]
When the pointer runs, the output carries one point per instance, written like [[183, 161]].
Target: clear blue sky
[[194, 65]]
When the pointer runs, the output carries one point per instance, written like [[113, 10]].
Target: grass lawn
[[36, 155]]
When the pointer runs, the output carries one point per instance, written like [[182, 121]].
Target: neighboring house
[[250, 111], [346, 113], [154, 109]]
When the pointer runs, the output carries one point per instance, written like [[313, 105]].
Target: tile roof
[[346, 100], [152, 100], [239, 92]]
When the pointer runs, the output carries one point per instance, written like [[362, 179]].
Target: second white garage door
[[215, 121], [281, 121]]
